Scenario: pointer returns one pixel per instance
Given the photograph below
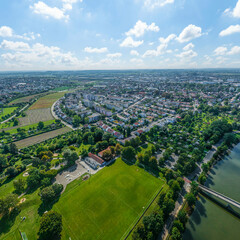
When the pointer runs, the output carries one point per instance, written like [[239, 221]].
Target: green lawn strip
[[7, 111], [108, 203], [46, 123], [10, 229]]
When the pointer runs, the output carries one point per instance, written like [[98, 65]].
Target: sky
[[119, 34]]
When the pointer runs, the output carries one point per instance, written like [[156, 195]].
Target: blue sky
[[119, 34]]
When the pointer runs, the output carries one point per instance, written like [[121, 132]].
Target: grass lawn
[[7, 111], [107, 205], [47, 101], [14, 130]]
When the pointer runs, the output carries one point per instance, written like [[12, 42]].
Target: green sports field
[[107, 205]]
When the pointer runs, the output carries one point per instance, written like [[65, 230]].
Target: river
[[209, 221]]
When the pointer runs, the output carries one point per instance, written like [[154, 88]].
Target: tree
[[40, 125], [107, 155], [70, 156], [10, 201], [50, 226], [191, 199], [182, 216], [118, 148], [153, 162], [15, 122], [13, 148], [76, 121], [11, 171], [47, 195], [34, 178], [19, 185], [3, 162], [176, 235], [128, 153], [91, 140]]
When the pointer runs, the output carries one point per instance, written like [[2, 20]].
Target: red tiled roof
[[96, 158]]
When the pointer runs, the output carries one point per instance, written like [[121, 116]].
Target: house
[[97, 159]]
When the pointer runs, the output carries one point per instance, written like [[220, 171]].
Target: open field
[[40, 138], [24, 99], [7, 111], [13, 130], [108, 204], [47, 101], [35, 116]]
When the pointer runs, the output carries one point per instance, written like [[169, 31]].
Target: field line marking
[[140, 215]]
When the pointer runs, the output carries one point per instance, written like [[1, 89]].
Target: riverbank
[[210, 221]]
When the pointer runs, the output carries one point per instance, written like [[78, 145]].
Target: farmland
[[121, 191], [35, 116], [40, 138], [24, 99], [47, 101]]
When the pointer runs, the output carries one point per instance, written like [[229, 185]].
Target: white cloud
[[167, 39], [188, 47], [134, 53], [236, 10], [129, 42], [230, 30], [114, 55], [220, 51], [151, 4], [14, 46], [22, 54], [161, 49], [6, 31], [187, 54], [95, 50], [234, 50], [189, 33], [42, 8], [141, 27]]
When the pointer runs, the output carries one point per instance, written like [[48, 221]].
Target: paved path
[[13, 116], [178, 205]]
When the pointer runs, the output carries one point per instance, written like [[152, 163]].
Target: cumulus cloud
[[129, 42], [188, 47], [220, 51], [6, 31], [167, 39], [14, 46], [189, 33], [134, 53], [187, 54], [230, 30], [161, 49], [114, 55], [136, 60], [141, 27], [234, 50], [95, 50], [58, 13], [151, 4], [42, 8], [22, 54]]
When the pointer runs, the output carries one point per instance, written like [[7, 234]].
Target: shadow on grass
[[8, 220], [47, 206], [129, 162]]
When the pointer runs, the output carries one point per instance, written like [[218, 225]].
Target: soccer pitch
[[108, 204]]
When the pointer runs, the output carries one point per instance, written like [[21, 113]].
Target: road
[[56, 117], [13, 116]]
